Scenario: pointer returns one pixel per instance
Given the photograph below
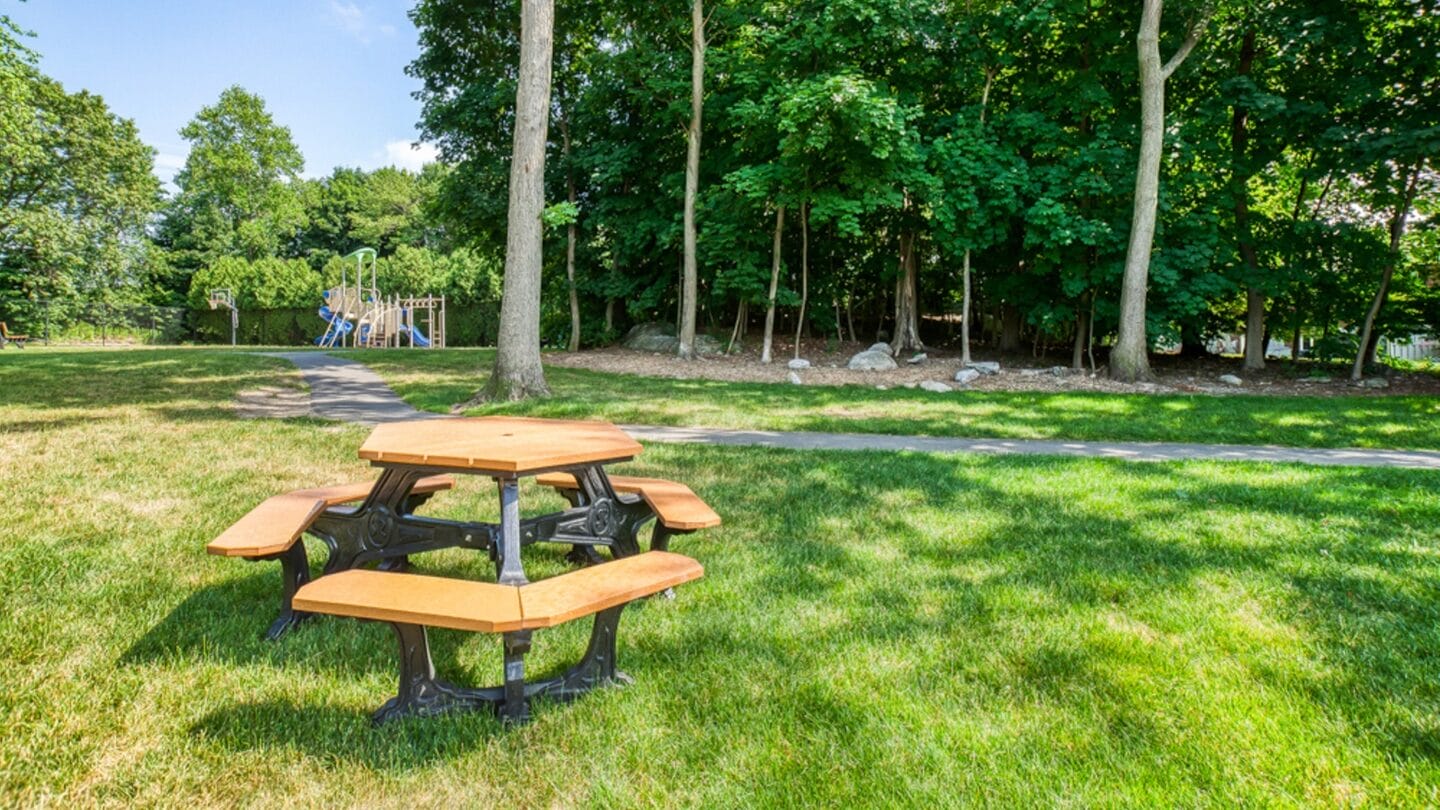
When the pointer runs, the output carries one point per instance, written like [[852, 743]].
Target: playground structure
[[222, 297], [356, 314]]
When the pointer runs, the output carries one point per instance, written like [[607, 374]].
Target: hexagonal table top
[[505, 444]]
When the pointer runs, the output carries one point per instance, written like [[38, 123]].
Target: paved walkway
[[346, 390]]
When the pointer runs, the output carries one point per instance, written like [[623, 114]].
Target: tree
[[518, 373], [1130, 360], [692, 178], [239, 189], [76, 188]]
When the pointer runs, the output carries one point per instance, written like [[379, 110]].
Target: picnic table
[[375, 524]]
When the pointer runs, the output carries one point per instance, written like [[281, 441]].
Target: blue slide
[[336, 327], [416, 336]]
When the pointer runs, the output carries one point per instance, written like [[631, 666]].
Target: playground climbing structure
[[357, 315]]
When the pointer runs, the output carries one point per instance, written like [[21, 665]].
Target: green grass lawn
[[872, 629], [436, 380]]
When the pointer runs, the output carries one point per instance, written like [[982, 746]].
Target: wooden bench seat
[[413, 602], [273, 526], [676, 506], [485, 607], [6, 336]]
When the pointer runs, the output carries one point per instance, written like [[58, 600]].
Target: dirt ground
[[1018, 372]]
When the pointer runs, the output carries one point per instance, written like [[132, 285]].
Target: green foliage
[[259, 284], [76, 189], [239, 191]]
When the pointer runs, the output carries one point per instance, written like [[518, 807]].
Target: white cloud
[[166, 166], [356, 21], [412, 156]]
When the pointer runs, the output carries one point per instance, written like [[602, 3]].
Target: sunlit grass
[[873, 629], [437, 380]]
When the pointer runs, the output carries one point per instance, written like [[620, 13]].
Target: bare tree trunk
[[518, 373], [692, 177], [1129, 361], [609, 314], [1368, 338], [735, 334], [774, 284], [1009, 328], [570, 239], [907, 311], [1082, 335], [804, 272], [965, 262], [1239, 140]]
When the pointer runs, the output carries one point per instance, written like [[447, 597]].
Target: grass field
[[872, 630], [436, 380]]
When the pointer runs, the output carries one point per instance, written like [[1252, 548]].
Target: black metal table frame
[[383, 529]]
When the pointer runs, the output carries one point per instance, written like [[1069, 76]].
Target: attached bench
[[270, 531], [6, 336], [412, 602], [678, 510]]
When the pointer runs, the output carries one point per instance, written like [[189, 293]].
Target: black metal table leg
[[294, 572]]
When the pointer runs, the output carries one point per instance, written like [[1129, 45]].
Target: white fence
[[1416, 348]]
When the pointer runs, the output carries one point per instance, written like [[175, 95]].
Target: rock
[[965, 376], [1231, 379], [660, 338], [882, 347], [910, 385], [1375, 382], [1059, 371], [985, 366], [1030, 372], [795, 379], [882, 388], [871, 360], [918, 359], [935, 386], [798, 364], [1316, 379]]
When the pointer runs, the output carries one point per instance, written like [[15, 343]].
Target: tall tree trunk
[[1082, 334], [1009, 328], [774, 285], [609, 314], [907, 310], [570, 239], [1130, 361], [518, 373], [692, 177], [965, 262], [1369, 338], [804, 272], [1239, 188]]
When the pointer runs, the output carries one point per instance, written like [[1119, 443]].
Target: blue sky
[[330, 70]]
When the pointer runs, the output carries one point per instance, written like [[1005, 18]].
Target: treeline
[[84, 222], [861, 155]]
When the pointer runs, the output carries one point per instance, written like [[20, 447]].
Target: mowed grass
[[436, 380], [872, 629]]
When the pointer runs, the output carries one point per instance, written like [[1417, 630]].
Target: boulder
[[935, 386], [870, 360], [965, 376], [985, 366], [882, 347], [798, 364], [918, 359], [1031, 372], [795, 379], [1375, 382], [660, 338], [1231, 379]]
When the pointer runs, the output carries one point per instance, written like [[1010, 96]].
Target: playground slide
[[417, 336], [329, 317]]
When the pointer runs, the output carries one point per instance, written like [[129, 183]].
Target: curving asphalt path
[[346, 390]]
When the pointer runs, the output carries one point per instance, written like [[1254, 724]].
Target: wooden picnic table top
[[503, 444]]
